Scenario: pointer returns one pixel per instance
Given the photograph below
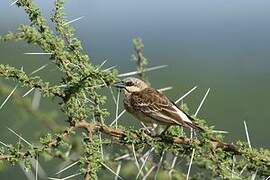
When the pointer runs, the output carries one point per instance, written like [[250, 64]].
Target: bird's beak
[[119, 84]]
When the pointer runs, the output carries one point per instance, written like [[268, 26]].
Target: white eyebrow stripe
[[182, 115]]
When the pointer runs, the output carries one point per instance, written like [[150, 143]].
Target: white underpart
[[182, 115]]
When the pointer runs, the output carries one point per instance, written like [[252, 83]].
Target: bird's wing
[[155, 105]]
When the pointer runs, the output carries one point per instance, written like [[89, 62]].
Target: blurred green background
[[223, 45]]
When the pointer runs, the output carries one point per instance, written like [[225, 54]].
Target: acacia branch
[[124, 137], [20, 76]]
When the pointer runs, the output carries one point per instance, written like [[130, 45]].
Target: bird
[[150, 106]]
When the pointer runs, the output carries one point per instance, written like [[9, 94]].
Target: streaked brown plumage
[[150, 106]]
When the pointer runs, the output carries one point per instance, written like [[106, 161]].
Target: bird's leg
[[149, 128]]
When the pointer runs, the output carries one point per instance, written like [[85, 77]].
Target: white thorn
[[122, 157], [7, 98], [38, 53], [189, 167], [36, 168], [28, 92], [198, 109], [172, 166], [73, 20], [63, 85], [39, 69], [36, 165], [109, 68], [118, 170], [185, 95], [101, 147], [20, 137], [66, 168], [135, 157], [243, 170], [254, 175], [4, 144], [102, 63], [165, 89], [159, 164], [247, 135], [111, 91], [65, 178], [220, 131], [149, 172], [14, 2], [117, 108], [110, 170], [118, 117], [146, 70], [147, 154]]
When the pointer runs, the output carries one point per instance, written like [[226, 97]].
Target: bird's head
[[131, 84]]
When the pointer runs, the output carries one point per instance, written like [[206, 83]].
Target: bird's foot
[[149, 130]]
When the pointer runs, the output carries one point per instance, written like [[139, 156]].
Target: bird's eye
[[129, 83]]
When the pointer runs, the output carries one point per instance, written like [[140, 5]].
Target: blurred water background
[[223, 45]]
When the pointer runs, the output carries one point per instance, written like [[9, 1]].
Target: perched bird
[[150, 106]]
